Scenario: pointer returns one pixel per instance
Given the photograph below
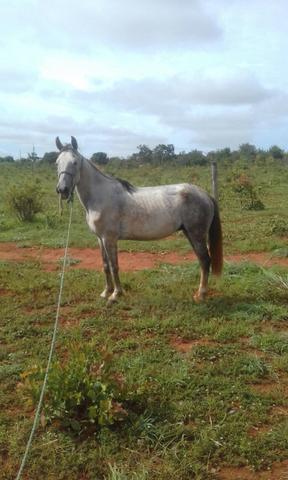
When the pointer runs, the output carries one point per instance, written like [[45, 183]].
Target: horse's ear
[[58, 144], [74, 143]]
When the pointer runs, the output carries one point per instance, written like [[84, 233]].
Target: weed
[[271, 342], [244, 187], [279, 226], [277, 280], [116, 473], [80, 393], [25, 201]]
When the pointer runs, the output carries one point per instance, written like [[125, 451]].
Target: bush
[[244, 187], [279, 226], [25, 201], [81, 395]]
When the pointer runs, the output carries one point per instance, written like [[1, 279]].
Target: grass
[[199, 378], [189, 413], [239, 225]]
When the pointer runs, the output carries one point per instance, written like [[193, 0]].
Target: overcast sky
[[202, 74]]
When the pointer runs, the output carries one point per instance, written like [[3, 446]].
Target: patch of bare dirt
[[263, 259], [5, 292], [184, 345], [266, 388], [254, 432], [278, 471], [279, 412], [90, 258], [247, 347]]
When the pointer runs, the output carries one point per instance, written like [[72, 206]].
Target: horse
[[117, 210]]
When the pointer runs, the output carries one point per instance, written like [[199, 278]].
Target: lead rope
[[53, 341]]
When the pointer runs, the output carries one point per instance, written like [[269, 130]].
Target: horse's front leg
[[110, 247], [109, 287]]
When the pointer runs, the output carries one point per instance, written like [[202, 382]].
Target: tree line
[[165, 154]]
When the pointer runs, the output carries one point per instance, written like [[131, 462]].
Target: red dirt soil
[[183, 345], [90, 258], [278, 471]]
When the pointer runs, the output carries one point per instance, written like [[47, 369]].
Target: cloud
[[200, 112], [199, 74], [92, 136], [154, 96], [16, 81], [126, 24]]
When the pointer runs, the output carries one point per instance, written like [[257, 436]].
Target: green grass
[[198, 377], [188, 413], [244, 231]]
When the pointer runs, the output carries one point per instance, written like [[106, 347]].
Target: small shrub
[[272, 342], [80, 394], [244, 187], [281, 252], [52, 220], [276, 280], [25, 201], [116, 473], [279, 226]]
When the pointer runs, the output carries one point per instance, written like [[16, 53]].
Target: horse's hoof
[[199, 297], [114, 297], [105, 294]]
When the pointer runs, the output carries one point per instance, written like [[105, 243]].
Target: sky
[[201, 74]]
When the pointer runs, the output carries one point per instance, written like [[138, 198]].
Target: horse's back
[[156, 212]]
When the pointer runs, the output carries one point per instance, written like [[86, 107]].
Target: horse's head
[[68, 164]]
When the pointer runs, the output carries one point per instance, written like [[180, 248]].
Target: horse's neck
[[90, 185]]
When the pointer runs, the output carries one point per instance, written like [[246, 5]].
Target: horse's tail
[[215, 242]]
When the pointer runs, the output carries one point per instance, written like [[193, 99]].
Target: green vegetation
[[183, 385], [25, 201], [82, 395], [156, 386], [248, 196], [245, 230]]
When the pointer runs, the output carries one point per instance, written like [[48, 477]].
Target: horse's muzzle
[[64, 192]]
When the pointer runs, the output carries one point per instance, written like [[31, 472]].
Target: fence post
[[214, 173]]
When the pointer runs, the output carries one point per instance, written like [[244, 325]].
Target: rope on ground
[[53, 341]]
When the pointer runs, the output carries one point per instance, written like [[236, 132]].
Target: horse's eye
[[74, 163]]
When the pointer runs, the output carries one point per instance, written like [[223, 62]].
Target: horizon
[[127, 157]]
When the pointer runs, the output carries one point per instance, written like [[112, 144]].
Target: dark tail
[[215, 242]]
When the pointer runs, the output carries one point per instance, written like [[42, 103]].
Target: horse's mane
[[125, 184]]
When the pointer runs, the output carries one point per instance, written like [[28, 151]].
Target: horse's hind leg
[[200, 247], [108, 277]]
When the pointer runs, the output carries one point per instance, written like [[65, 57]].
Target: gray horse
[[117, 210]]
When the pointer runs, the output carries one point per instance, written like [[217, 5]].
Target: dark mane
[[125, 184]]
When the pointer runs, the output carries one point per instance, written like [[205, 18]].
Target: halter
[[70, 198], [64, 172]]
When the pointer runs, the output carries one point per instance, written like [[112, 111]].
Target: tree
[[8, 159], [49, 157], [247, 151], [163, 153], [33, 157], [223, 153], [145, 154], [100, 157], [276, 152], [196, 157]]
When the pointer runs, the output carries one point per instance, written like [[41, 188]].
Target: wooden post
[[214, 180]]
